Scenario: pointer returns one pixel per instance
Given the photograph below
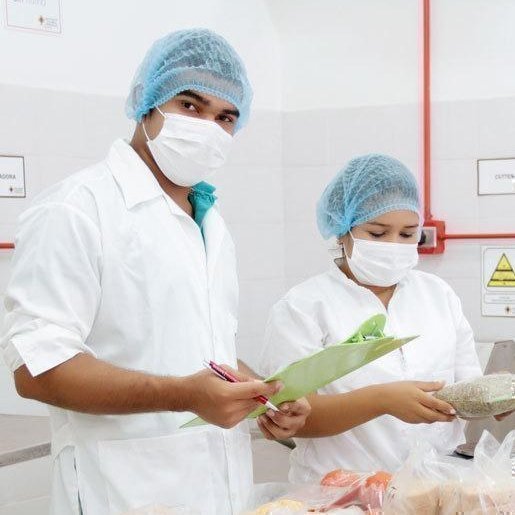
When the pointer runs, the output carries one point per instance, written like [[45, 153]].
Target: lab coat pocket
[[171, 470]]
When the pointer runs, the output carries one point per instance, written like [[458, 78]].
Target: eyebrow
[[388, 225], [206, 102]]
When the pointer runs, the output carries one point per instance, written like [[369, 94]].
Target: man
[[124, 281]]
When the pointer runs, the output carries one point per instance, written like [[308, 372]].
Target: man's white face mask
[[380, 263], [189, 150]]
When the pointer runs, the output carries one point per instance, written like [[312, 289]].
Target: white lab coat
[[327, 309], [107, 264]]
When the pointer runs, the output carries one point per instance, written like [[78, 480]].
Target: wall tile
[[454, 191], [256, 300], [250, 194], [455, 130], [305, 251], [59, 124], [360, 130], [260, 142], [103, 121], [25, 481], [303, 187], [496, 128], [305, 138], [18, 114], [259, 249]]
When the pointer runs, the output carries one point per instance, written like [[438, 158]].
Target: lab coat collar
[[133, 176]]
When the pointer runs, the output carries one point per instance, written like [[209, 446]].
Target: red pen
[[223, 374]]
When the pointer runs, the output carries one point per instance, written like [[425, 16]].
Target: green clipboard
[[309, 374]]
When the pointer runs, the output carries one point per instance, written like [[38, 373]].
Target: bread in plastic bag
[[484, 396], [429, 484]]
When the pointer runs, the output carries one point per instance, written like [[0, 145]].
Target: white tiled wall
[[318, 143], [25, 487]]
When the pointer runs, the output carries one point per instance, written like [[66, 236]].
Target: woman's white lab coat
[[325, 310], [107, 264]]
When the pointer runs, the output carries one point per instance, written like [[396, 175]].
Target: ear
[[347, 243]]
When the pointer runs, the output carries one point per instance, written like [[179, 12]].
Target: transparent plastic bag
[[365, 490], [484, 396], [429, 484], [288, 499]]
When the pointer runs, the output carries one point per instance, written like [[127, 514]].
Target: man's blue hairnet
[[196, 59], [369, 186]]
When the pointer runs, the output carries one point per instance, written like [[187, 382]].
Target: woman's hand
[[285, 423], [412, 402]]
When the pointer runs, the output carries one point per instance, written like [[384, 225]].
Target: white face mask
[[189, 150], [380, 263]]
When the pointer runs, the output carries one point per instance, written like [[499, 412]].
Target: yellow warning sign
[[504, 275]]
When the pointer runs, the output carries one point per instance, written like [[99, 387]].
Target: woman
[[366, 420]]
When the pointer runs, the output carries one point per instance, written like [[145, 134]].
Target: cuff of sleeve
[[12, 357], [44, 348]]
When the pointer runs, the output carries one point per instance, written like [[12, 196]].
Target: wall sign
[[496, 176], [498, 281], [12, 176], [34, 15]]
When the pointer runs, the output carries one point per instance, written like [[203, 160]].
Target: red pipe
[[6, 246], [477, 236], [427, 109], [427, 132]]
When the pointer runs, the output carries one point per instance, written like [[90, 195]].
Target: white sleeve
[[467, 364], [54, 291], [291, 334]]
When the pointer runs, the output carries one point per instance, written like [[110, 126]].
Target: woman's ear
[[346, 243]]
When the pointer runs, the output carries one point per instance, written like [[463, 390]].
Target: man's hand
[[412, 402], [222, 403], [286, 423]]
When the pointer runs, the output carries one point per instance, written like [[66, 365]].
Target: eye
[[189, 106], [406, 235], [376, 235], [226, 119]]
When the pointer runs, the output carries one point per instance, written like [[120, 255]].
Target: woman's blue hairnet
[[196, 59], [369, 186]]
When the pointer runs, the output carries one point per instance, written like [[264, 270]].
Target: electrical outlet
[[432, 239]]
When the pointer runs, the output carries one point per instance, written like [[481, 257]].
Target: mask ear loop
[[143, 124], [344, 251]]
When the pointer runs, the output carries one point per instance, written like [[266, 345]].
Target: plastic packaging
[[365, 490], [429, 484], [482, 397], [288, 499]]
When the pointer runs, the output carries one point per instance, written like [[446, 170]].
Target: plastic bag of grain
[[481, 397]]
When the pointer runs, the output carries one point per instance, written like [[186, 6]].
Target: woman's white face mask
[[379, 263], [189, 150]]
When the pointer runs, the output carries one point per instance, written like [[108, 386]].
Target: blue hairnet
[[369, 186], [196, 59]]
